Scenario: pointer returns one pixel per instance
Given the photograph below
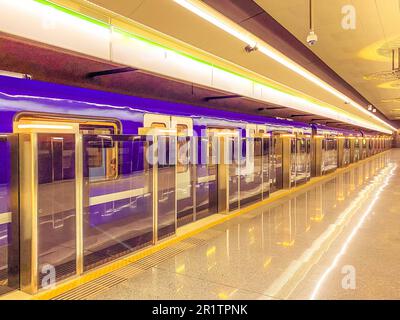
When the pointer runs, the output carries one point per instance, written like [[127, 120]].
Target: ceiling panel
[[351, 53]]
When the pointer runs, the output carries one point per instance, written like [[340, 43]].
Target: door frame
[[28, 131]]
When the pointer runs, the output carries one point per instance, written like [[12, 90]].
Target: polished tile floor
[[339, 239]]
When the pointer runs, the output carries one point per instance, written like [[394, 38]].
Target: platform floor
[[338, 239]]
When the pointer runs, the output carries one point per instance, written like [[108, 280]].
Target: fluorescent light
[[45, 126], [202, 12], [240, 33]]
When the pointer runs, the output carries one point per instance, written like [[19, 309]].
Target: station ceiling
[[169, 18], [340, 49]]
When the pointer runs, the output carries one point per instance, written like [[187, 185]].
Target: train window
[[101, 156], [59, 155], [97, 156]]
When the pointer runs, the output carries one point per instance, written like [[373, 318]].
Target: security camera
[[312, 38], [250, 48]]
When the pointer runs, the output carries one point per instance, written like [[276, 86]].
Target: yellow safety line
[[219, 219]]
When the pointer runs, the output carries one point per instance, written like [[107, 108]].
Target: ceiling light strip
[[240, 33]]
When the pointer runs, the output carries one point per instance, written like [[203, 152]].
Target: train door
[[49, 193], [364, 149], [370, 147], [165, 139], [329, 154], [302, 158], [185, 171], [265, 140], [206, 172], [356, 150], [346, 154], [343, 151], [251, 168], [293, 170], [221, 157]]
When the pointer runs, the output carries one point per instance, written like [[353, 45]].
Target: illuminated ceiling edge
[[219, 20], [293, 97]]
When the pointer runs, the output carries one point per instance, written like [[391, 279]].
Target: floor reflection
[[306, 246]]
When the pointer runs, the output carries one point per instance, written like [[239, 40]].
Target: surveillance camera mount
[[250, 48]]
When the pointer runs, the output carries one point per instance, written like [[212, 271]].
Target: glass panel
[[276, 164], [329, 155], [9, 248], [364, 149], [251, 171], [56, 204], [308, 141], [234, 171], [346, 152], [185, 180], [207, 177], [293, 161], [118, 210], [266, 166], [356, 150], [303, 160], [166, 186]]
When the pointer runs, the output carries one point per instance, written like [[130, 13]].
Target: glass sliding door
[[251, 171], [166, 178], [185, 182], [56, 205], [276, 162], [207, 177], [234, 171], [9, 240], [266, 141], [302, 160], [118, 196]]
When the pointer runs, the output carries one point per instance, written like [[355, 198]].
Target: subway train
[[89, 176]]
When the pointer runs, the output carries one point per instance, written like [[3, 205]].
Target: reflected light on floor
[[289, 279], [352, 234], [286, 244]]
